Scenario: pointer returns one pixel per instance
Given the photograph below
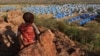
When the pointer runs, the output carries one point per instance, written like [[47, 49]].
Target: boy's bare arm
[[36, 29]]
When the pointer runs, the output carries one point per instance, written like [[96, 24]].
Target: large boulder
[[53, 43], [45, 46], [14, 17]]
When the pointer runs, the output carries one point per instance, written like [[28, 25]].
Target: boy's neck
[[27, 23]]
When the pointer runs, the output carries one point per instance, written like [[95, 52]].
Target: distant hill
[[48, 1]]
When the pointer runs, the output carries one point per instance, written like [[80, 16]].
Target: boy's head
[[28, 17]]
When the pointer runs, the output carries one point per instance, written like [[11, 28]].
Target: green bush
[[94, 29], [62, 26], [72, 33]]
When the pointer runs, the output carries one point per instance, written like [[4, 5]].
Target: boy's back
[[28, 33]]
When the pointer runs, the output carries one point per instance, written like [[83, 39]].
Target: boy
[[28, 30]]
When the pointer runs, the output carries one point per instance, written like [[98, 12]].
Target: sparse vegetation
[[90, 37]]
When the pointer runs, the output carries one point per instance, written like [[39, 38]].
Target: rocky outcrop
[[65, 46], [55, 43], [14, 17], [45, 46], [49, 43]]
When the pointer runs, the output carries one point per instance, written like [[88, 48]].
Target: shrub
[[62, 26], [72, 32], [95, 44]]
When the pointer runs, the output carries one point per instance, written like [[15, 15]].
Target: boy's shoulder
[[23, 25]]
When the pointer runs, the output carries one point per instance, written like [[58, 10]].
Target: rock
[[75, 51], [3, 25], [63, 43], [14, 13], [15, 17], [46, 40], [8, 41], [45, 46]]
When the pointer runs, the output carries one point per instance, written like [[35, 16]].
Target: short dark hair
[[28, 17]]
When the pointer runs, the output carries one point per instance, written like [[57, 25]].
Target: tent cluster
[[83, 19], [59, 11], [7, 8], [87, 19], [74, 19], [61, 15]]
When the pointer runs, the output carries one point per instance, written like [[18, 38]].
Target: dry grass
[[44, 16]]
